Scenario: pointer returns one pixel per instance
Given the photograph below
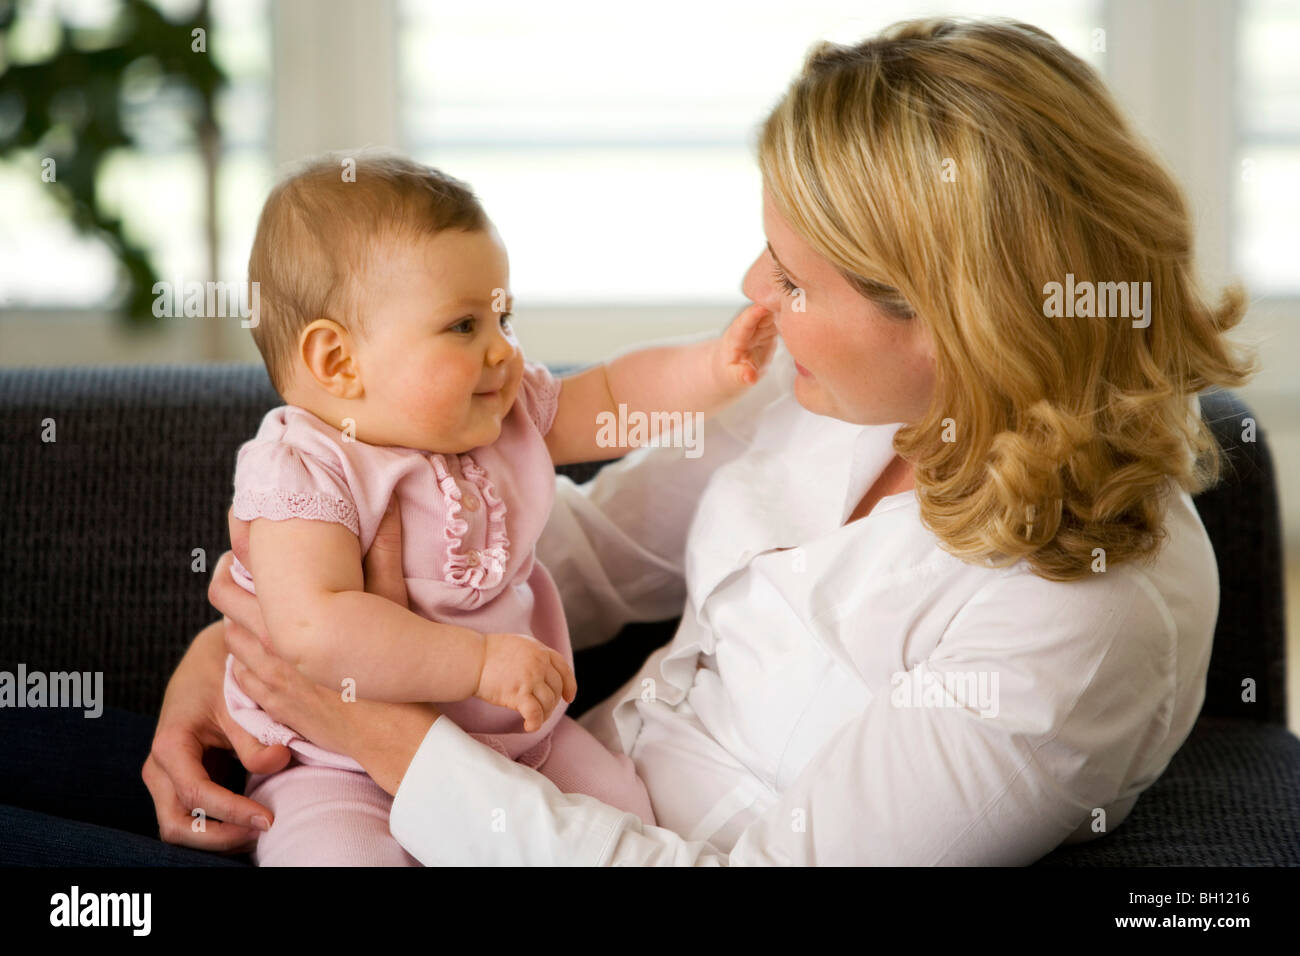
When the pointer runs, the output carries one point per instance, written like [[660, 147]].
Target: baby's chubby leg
[[579, 763], [325, 817]]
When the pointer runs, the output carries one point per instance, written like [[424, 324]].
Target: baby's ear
[[328, 350]]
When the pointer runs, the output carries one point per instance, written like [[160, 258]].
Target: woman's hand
[[382, 737], [193, 720], [746, 347]]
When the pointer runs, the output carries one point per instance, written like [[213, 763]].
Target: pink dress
[[469, 526]]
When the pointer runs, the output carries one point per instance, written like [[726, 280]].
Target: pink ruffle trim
[[490, 566], [280, 505]]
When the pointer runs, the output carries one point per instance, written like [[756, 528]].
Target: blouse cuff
[[461, 803]]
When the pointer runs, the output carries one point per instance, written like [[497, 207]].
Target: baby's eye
[[467, 321], [506, 317]]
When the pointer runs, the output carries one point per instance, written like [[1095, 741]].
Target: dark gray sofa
[[98, 531]]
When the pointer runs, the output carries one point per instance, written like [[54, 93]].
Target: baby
[[385, 325]]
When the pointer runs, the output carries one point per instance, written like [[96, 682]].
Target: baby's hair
[[320, 229]]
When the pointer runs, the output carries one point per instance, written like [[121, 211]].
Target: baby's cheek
[[426, 402], [517, 372]]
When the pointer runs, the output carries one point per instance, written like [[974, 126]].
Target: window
[[1268, 148], [158, 189], [612, 144]]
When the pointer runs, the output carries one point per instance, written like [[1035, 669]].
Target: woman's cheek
[[792, 326]]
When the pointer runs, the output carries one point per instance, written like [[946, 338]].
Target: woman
[[947, 599]]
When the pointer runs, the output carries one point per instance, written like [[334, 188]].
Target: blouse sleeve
[[539, 391], [275, 480], [616, 546], [1083, 690]]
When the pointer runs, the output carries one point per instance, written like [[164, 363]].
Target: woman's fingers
[[190, 723], [266, 691], [221, 571], [234, 602], [254, 663], [279, 689], [179, 785], [239, 539], [179, 825], [289, 697], [255, 687], [383, 562]]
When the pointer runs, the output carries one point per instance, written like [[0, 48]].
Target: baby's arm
[[311, 590], [698, 377]]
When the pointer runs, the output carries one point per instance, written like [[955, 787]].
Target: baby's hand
[[520, 672], [746, 347]]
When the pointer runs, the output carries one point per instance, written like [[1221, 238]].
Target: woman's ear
[[329, 352]]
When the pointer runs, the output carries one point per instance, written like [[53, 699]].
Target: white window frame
[[1172, 65]]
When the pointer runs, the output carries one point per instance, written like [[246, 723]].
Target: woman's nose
[[756, 289]]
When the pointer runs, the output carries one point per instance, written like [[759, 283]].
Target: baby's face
[[439, 362]]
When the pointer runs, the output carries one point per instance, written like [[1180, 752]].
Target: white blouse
[[863, 697]]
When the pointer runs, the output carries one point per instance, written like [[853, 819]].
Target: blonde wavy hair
[[951, 169]]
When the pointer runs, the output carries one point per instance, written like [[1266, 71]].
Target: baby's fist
[[522, 673]]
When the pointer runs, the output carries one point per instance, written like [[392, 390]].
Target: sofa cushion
[[1229, 797], [108, 532]]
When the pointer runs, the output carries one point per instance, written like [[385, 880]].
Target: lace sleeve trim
[[543, 401], [279, 505]]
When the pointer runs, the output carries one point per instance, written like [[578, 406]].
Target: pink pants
[[330, 817]]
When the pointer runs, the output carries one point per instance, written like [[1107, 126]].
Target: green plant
[[72, 107]]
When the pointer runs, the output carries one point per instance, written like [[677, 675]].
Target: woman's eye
[[789, 287]]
